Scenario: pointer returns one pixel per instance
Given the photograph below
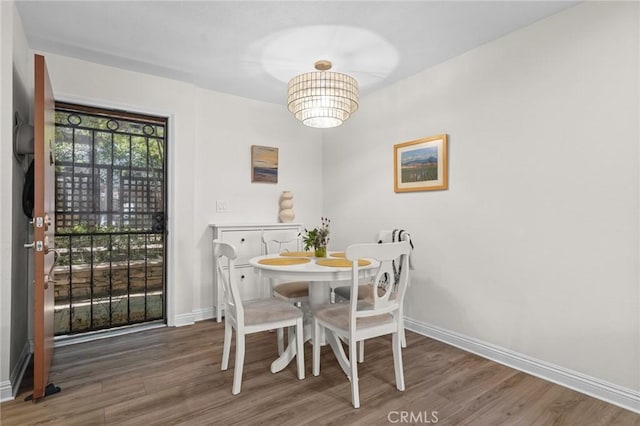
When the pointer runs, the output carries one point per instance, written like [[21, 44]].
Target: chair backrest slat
[[224, 256], [279, 240], [388, 293]]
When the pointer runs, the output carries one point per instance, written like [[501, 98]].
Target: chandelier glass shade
[[322, 98]]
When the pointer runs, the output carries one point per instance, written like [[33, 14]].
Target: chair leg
[[237, 373], [403, 338], [300, 348], [402, 335], [361, 351], [280, 338], [226, 347], [355, 390], [279, 331], [397, 361], [316, 348]]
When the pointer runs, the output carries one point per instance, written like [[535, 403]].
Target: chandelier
[[322, 98]]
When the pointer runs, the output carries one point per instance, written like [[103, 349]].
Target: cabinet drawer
[[247, 243], [248, 283]]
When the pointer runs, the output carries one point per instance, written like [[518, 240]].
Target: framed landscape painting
[[421, 165], [264, 164]]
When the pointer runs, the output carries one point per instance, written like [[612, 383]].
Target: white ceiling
[[252, 48]]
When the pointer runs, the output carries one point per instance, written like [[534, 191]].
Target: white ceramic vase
[[286, 207]]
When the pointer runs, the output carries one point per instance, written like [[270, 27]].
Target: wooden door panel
[[43, 223]]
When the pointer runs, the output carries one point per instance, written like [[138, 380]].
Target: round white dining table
[[320, 279]]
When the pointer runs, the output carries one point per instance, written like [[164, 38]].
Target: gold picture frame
[[264, 164], [421, 165]]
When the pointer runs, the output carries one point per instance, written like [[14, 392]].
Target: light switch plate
[[222, 206]]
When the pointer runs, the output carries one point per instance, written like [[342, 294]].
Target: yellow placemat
[[337, 254], [341, 263], [282, 261], [297, 253]]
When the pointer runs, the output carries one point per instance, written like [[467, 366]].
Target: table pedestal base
[[318, 295]]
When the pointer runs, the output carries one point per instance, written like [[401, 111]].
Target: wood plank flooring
[[173, 376]]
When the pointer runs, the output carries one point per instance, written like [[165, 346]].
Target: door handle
[[37, 244]]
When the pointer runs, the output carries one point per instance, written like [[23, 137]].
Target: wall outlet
[[222, 206]]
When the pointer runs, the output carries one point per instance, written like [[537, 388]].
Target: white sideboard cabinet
[[247, 239]]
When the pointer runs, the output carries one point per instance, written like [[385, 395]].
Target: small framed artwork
[[420, 165], [264, 164]]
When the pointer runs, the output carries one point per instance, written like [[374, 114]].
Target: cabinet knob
[[242, 277], [242, 240]]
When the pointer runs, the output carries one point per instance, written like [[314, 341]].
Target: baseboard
[[184, 319], [61, 341], [9, 388], [204, 314], [196, 315], [6, 391], [609, 392]]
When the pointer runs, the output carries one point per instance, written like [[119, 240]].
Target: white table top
[[309, 271]]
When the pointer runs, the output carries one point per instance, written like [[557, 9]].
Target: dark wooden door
[[43, 220]]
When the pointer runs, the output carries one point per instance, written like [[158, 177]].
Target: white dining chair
[[251, 316], [343, 293], [359, 320], [296, 292]]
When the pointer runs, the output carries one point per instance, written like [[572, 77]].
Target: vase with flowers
[[318, 238]]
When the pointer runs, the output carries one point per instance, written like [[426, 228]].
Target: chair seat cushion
[[337, 314], [262, 311], [292, 290], [365, 292]]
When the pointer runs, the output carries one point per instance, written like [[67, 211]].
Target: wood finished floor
[[173, 376]]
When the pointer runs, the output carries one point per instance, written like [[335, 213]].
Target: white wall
[[21, 302], [535, 245], [6, 167], [15, 97], [209, 158], [227, 127]]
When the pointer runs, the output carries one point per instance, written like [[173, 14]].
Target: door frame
[[170, 300], [140, 118]]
